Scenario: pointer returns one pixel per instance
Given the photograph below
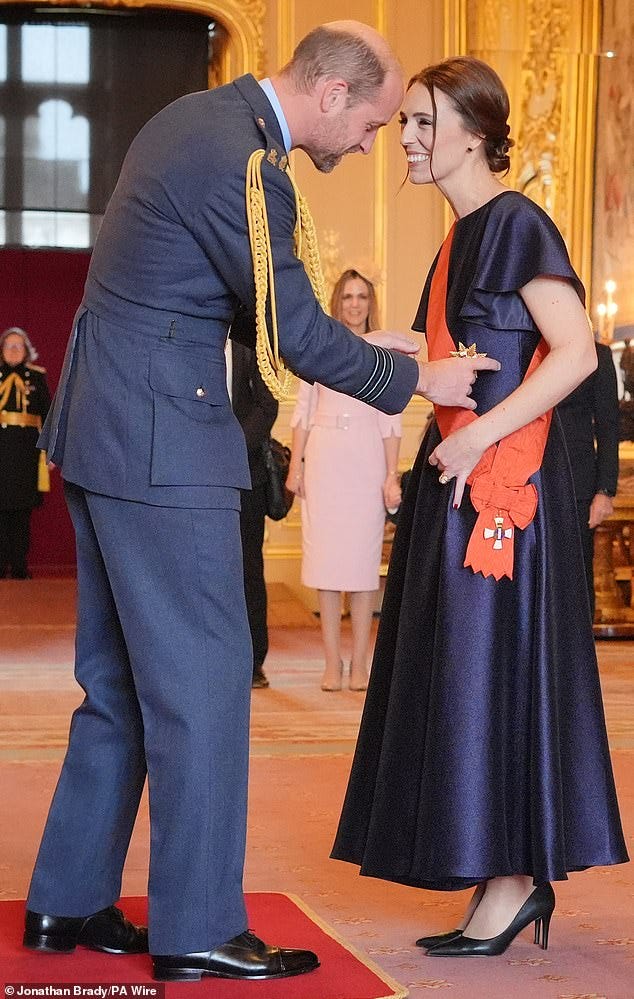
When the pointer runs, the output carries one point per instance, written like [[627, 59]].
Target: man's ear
[[333, 95]]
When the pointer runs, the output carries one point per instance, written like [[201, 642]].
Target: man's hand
[[448, 382], [402, 342], [600, 508]]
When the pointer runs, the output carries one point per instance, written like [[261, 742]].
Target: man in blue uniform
[[163, 645]]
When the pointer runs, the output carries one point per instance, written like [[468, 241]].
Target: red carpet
[[277, 918]]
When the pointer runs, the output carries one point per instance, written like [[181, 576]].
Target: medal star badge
[[466, 351]]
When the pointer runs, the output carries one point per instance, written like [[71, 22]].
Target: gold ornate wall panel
[[613, 247], [546, 53]]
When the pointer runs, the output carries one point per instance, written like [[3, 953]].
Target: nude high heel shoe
[[358, 679], [328, 684]]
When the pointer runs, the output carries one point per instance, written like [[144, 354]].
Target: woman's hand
[[457, 456], [295, 479], [392, 492]]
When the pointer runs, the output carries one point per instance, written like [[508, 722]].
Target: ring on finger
[[443, 479]]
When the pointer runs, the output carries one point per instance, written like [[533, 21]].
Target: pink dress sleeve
[[390, 426], [305, 406]]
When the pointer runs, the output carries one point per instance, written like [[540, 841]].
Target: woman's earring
[[469, 149]]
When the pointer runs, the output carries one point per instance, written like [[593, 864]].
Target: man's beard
[[327, 161], [321, 151]]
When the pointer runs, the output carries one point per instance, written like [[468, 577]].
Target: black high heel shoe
[[438, 938], [537, 908]]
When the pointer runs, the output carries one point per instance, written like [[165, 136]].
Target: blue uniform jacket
[[142, 410]]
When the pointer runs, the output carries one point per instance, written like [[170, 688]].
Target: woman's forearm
[[559, 315], [298, 443], [562, 321], [560, 372], [392, 446]]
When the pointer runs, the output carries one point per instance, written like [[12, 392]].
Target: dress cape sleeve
[[520, 242], [517, 242]]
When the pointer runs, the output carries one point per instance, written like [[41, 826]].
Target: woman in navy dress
[[482, 758]]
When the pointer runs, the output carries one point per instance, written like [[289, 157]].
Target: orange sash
[[500, 491]]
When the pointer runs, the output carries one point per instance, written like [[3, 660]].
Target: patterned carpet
[[302, 740]]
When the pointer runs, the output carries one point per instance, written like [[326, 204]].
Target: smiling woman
[[437, 128], [343, 466], [482, 756]]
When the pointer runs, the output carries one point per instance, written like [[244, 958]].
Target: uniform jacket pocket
[[196, 439]]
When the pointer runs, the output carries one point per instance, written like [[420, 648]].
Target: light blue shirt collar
[[269, 90]]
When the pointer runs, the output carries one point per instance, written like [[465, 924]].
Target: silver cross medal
[[499, 533]]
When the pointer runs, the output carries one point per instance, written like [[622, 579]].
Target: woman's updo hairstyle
[[479, 97]]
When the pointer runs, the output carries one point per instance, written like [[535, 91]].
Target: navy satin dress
[[483, 749]]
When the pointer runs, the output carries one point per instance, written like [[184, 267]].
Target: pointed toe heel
[[537, 908], [438, 938]]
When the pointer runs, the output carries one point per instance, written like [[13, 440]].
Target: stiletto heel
[[537, 908]]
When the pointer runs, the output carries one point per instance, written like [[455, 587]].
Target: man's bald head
[[343, 49]]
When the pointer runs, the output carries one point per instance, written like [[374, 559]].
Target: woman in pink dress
[[344, 467]]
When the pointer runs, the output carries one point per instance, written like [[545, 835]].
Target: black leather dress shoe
[[245, 957], [107, 930]]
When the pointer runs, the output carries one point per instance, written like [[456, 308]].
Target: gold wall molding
[[455, 22], [613, 245], [380, 179], [547, 56], [285, 31], [242, 19], [541, 167]]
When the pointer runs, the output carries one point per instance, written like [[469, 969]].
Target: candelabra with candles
[[606, 312]]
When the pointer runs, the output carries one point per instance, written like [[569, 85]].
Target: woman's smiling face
[[443, 152]]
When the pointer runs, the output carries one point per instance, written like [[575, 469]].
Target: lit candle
[[601, 312], [611, 310]]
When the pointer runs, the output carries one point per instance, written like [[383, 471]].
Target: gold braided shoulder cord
[[277, 377], [20, 391]]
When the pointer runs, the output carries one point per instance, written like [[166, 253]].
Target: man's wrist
[[422, 386]]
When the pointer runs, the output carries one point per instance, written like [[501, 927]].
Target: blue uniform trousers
[[163, 654]]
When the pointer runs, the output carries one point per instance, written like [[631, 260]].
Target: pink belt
[[339, 422]]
